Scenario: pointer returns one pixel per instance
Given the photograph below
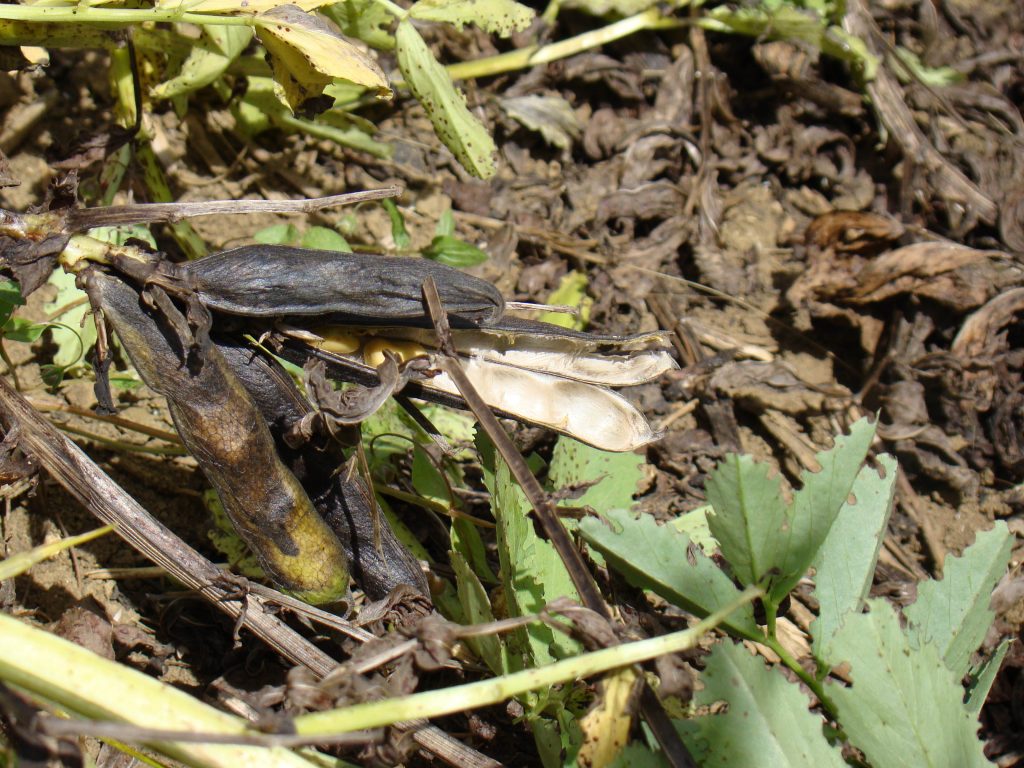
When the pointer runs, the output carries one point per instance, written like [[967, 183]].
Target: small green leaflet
[[277, 234], [71, 342], [10, 299], [571, 292], [661, 559], [209, 57], [768, 542], [953, 613], [501, 17], [454, 252], [904, 708], [768, 722], [462, 133], [398, 231], [324, 239], [845, 564]]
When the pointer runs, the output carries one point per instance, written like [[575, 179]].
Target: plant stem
[[534, 54], [119, 16], [816, 686]]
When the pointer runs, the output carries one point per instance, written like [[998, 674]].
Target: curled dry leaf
[[980, 335], [307, 54]]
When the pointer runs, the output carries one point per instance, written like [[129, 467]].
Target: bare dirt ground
[[817, 255]]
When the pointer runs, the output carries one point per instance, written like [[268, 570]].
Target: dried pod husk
[[278, 281], [379, 562], [545, 376], [226, 433]]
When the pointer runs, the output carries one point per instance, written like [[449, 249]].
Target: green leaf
[[953, 613], [500, 17], [277, 234], [983, 676], [209, 57], [446, 223], [845, 564], [398, 231], [324, 239], [571, 292], [694, 524], [454, 252], [659, 558], [768, 721], [614, 475], [765, 542], [748, 517], [25, 331], [904, 707], [460, 131], [10, 298], [531, 571], [363, 19], [76, 331], [477, 608]]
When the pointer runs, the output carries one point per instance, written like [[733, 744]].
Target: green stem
[[816, 686], [121, 16], [533, 55], [394, 9]]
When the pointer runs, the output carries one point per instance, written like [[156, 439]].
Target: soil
[[817, 256]]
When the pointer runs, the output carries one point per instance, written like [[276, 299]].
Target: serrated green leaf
[[748, 517], [77, 330], [462, 133], [904, 708], [766, 543], [845, 564], [659, 558], [983, 676], [571, 292], [500, 17], [615, 475], [398, 231], [953, 613], [277, 234], [619, 8], [694, 524], [639, 756], [768, 721], [324, 239], [454, 252], [531, 571]]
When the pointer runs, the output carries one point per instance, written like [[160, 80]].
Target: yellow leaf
[[606, 726], [307, 54]]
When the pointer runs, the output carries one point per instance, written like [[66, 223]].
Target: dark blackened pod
[[279, 281], [225, 432], [379, 562]]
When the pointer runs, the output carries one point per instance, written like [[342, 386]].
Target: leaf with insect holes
[[953, 613], [209, 57], [768, 542], [364, 20], [903, 707], [460, 131], [307, 54], [845, 564], [768, 720], [612, 477], [661, 559], [500, 17], [531, 571]]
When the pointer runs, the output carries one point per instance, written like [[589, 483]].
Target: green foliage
[[768, 721], [454, 252], [904, 704], [457, 128], [320, 238], [571, 292], [904, 707]]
